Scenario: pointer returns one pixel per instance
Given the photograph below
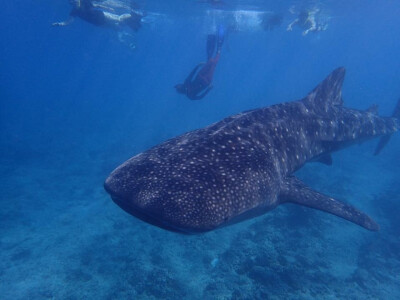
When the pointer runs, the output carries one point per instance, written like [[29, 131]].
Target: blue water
[[75, 102]]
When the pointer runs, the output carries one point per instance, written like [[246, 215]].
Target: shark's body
[[242, 166]]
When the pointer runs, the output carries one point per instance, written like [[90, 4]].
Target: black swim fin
[[385, 139], [295, 191]]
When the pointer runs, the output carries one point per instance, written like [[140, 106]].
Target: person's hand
[[56, 24]]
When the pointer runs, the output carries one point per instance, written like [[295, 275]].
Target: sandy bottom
[[61, 237]]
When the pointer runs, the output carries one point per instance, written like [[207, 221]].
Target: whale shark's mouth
[[148, 218]]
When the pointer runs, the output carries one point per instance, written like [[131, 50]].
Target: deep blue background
[[80, 80], [75, 102]]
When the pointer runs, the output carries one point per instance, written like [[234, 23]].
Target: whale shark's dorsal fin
[[295, 191], [328, 93]]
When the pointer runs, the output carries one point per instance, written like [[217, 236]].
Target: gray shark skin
[[242, 166]]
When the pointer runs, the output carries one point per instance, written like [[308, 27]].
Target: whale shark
[[243, 166]]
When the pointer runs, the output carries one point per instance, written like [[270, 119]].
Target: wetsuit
[[89, 13], [197, 88]]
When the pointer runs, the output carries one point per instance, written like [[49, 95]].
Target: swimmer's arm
[[65, 23], [201, 96], [190, 77]]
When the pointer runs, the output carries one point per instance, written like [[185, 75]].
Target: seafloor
[[75, 104], [63, 238]]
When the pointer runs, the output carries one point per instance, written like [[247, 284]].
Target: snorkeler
[[270, 21], [197, 88], [307, 20], [97, 14]]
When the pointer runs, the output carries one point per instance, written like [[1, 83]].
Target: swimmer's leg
[[211, 44], [221, 36], [290, 26]]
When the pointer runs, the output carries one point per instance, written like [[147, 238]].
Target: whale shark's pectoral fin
[[382, 143], [295, 191]]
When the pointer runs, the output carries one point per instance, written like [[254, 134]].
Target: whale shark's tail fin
[[327, 94], [295, 191], [385, 139]]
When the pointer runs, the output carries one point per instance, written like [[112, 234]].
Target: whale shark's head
[[242, 166], [189, 191], [165, 199]]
